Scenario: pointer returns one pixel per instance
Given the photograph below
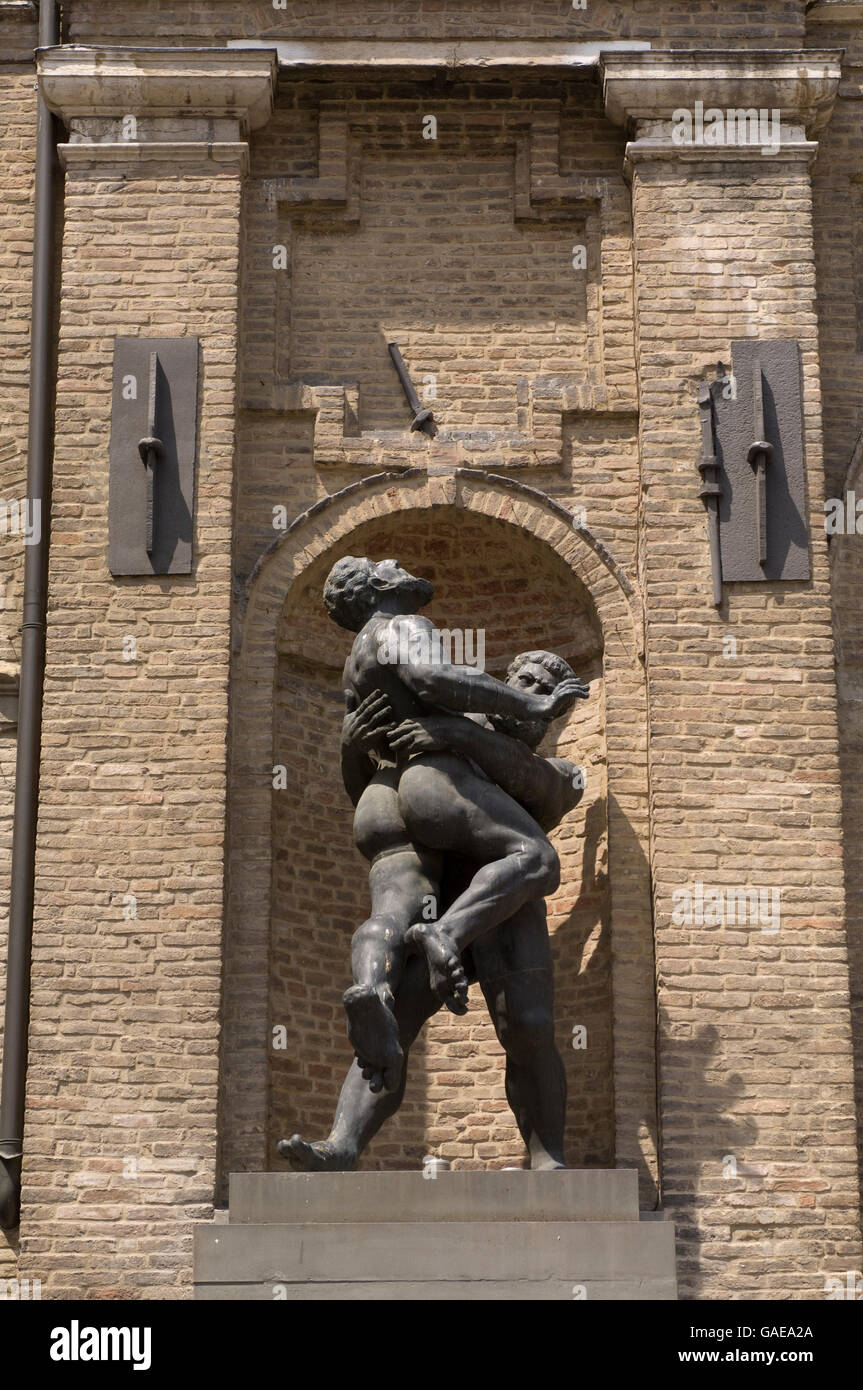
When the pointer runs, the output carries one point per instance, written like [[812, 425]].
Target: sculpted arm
[[466, 690], [546, 788], [363, 728]]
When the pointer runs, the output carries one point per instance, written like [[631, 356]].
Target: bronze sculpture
[[452, 805]]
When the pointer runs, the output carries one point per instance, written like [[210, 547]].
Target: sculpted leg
[[514, 965], [401, 879], [377, 954], [454, 810], [535, 1079], [361, 1111]]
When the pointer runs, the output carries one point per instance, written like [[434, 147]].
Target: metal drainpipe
[[39, 476]]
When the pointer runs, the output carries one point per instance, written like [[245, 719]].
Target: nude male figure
[[512, 962], [443, 803]]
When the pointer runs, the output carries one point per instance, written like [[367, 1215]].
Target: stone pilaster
[[756, 1098]]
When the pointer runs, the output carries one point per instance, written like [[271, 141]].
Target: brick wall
[[481, 299], [847, 566], [447, 247], [755, 1040], [838, 217], [837, 181], [121, 1130], [686, 23]]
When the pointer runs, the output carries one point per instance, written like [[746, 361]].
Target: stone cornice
[[649, 87], [310, 55], [79, 82]]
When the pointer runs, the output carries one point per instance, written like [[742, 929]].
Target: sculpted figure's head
[[356, 589], [538, 672]]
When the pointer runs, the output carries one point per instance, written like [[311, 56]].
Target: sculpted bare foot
[[374, 1035], [446, 973], [315, 1158]]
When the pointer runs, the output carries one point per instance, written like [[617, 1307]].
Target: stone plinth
[[464, 1235]]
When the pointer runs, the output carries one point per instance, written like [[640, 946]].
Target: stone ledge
[[401, 54], [653, 148], [634, 1290], [81, 154], [651, 86], [78, 81]]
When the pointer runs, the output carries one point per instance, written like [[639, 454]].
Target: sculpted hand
[[365, 726], [417, 736], [562, 698]]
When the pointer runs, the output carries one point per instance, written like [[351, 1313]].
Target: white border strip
[[425, 53]]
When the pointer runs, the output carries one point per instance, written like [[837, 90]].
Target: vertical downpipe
[[39, 473]]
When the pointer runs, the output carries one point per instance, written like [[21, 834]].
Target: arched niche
[[508, 559]]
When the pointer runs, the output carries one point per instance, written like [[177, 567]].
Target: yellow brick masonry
[[754, 1040], [838, 190], [688, 23], [121, 1132], [755, 1063]]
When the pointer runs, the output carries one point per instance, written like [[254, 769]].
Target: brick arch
[[611, 591], [611, 597]]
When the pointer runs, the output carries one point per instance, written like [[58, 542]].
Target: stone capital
[[171, 83], [737, 105], [181, 105]]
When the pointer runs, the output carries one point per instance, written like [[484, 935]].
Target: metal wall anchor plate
[[758, 413], [153, 449]]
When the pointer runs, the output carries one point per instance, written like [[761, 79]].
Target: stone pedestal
[[466, 1235]]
